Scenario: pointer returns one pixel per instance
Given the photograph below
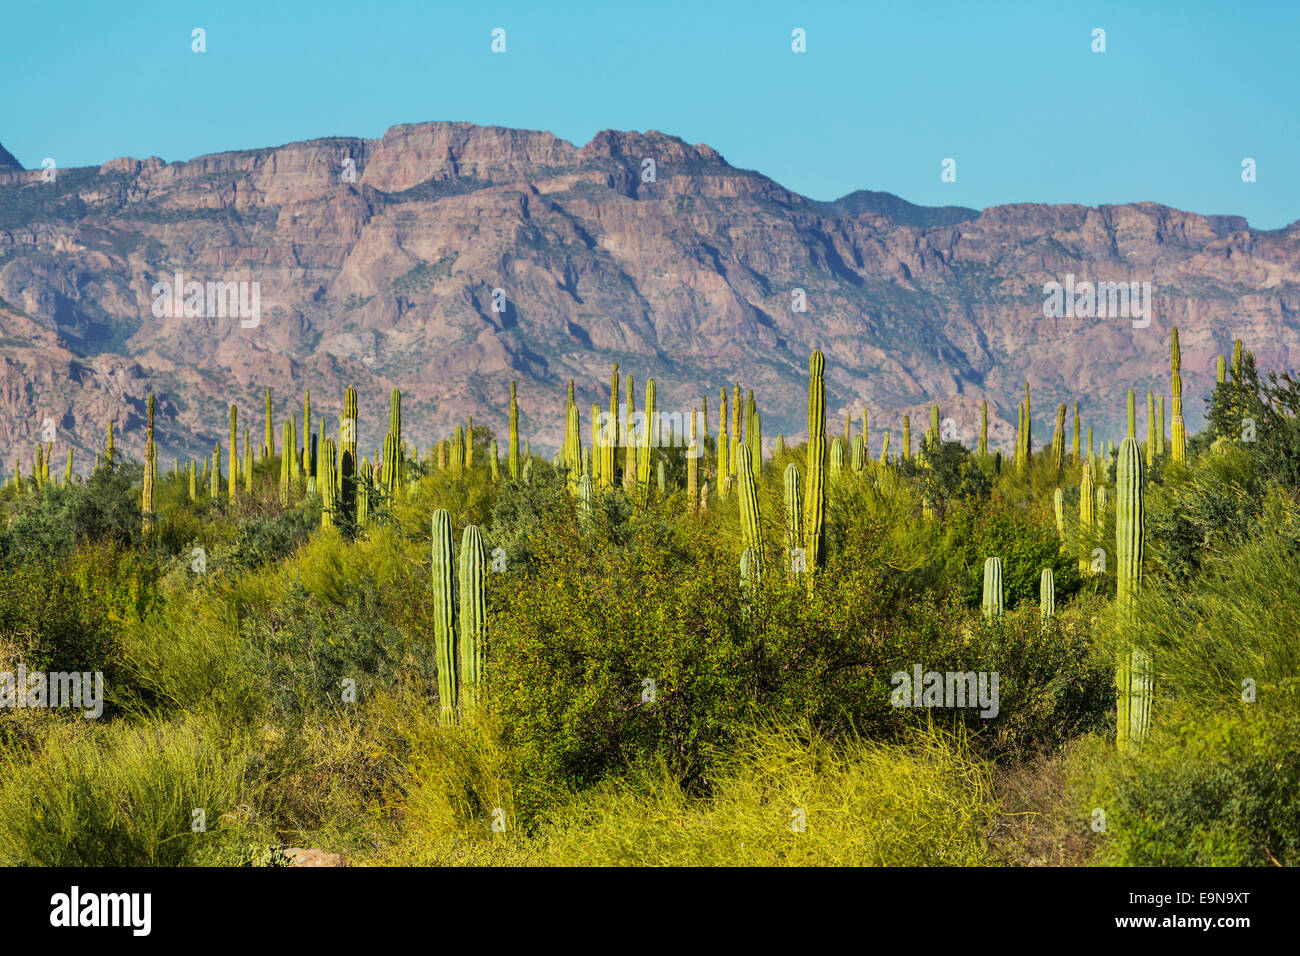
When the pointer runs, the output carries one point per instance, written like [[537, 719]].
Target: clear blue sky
[[885, 92]]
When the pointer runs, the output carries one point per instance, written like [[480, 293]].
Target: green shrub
[[121, 795]]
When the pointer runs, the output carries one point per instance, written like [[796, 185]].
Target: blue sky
[[885, 92]]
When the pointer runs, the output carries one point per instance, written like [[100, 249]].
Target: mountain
[[686, 272], [7, 160]]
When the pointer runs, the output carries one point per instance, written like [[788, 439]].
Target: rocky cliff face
[[383, 263]]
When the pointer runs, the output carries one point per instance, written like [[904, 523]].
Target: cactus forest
[[670, 642]]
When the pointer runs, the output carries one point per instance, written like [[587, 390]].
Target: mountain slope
[[388, 279]]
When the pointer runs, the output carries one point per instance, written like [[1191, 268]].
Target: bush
[[118, 795], [1218, 788]]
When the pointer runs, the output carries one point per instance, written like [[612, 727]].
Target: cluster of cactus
[[1133, 671], [460, 676]]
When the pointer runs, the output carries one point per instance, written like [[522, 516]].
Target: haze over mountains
[[388, 281]]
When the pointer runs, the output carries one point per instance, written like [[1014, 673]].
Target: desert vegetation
[[665, 649]]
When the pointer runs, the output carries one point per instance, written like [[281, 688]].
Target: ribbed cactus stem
[[984, 429], [693, 453], [1132, 415], [108, 447], [233, 482], [647, 440], [1149, 451], [630, 439], [444, 615], [150, 470], [1133, 673], [793, 514], [1087, 514], [1047, 595], [837, 458], [365, 481], [748, 495], [1178, 436], [907, 437], [815, 487], [328, 483], [1058, 507], [214, 481], [473, 615], [858, 458], [286, 475], [308, 465], [735, 435], [1058, 440], [1075, 437], [992, 603]]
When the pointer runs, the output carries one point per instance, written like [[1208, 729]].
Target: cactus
[[693, 467], [1029, 428], [1160, 426], [308, 464], [67, 473], [214, 480], [837, 458], [778, 449], [984, 429], [609, 434], [793, 512], [233, 482], [735, 436], [388, 471], [313, 462], [150, 471], [1102, 501], [907, 437], [858, 459], [1178, 449], [108, 448], [992, 603], [286, 475], [629, 440], [248, 466], [1058, 440], [1132, 416], [1074, 440], [815, 490], [749, 517], [1021, 462], [1149, 450], [647, 438], [1087, 513], [723, 464], [444, 615], [473, 615], [1047, 595], [1133, 673], [347, 463], [328, 483], [193, 474], [1058, 506], [884, 449], [469, 440], [365, 481], [756, 442]]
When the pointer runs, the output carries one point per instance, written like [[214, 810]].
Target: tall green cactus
[[365, 481], [1087, 514], [647, 442], [837, 457], [1132, 415], [308, 464], [247, 469], [268, 443], [984, 429], [1058, 507], [693, 453], [907, 437], [1047, 595], [214, 486], [473, 615], [793, 515], [992, 603], [1074, 440], [328, 483], [1058, 440], [735, 435], [286, 475], [150, 471], [234, 455], [1179, 436], [1134, 673], [348, 458], [108, 447], [512, 446], [858, 459], [444, 615], [630, 440], [815, 485], [749, 518], [609, 452]]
